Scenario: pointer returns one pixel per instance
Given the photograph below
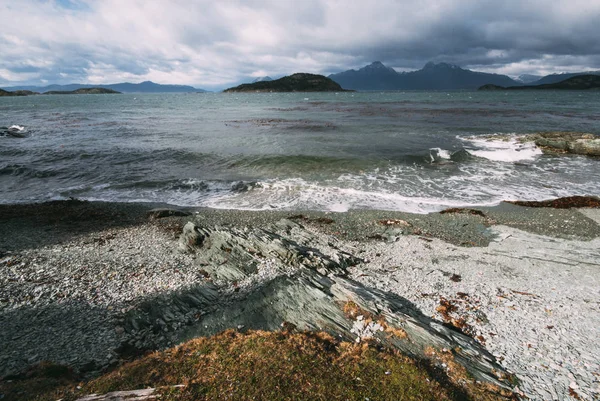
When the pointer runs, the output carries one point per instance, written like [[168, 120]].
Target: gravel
[[64, 302], [530, 292], [533, 301]]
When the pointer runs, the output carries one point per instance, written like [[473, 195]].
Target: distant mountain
[[528, 78], [448, 76], [555, 78], [299, 82], [125, 87], [432, 76], [375, 76], [578, 82], [151, 87], [262, 79], [83, 91]]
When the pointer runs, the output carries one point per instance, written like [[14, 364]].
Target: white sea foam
[[294, 194], [473, 187], [409, 188], [18, 128], [503, 149], [438, 153]]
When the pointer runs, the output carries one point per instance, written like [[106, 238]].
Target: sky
[[213, 44]]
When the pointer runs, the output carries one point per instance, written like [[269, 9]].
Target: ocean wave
[[25, 171], [18, 128], [292, 194], [501, 148], [438, 154], [300, 195], [16, 131], [411, 189]]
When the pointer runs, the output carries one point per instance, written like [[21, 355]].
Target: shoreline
[[67, 218], [75, 275]]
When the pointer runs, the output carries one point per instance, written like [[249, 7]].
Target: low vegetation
[[262, 366]]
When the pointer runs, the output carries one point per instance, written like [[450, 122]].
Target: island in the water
[[17, 93], [84, 91], [81, 91], [580, 82], [299, 82]]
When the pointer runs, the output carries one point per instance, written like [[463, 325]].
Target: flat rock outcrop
[[566, 142], [558, 142]]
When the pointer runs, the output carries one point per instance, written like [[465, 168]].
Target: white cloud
[[215, 43], [8, 75]]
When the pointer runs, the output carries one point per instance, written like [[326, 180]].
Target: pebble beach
[[523, 282]]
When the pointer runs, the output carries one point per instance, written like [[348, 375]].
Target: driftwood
[[131, 395]]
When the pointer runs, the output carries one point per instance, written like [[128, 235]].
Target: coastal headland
[[492, 302]]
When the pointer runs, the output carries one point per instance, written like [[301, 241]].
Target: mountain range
[[440, 76], [125, 87], [556, 78], [432, 76], [577, 82], [375, 76], [528, 78]]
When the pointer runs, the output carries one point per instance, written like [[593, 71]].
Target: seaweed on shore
[[474, 212], [562, 203]]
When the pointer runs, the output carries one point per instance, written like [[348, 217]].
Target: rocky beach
[[509, 292], [299, 201]]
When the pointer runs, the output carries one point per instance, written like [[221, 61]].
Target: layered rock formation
[[297, 279]]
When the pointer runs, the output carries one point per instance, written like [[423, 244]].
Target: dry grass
[[269, 366]]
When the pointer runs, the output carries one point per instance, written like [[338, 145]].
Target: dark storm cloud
[[211, 44], [495, 34]]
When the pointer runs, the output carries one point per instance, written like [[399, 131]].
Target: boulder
[[589, 147], [461, 155]]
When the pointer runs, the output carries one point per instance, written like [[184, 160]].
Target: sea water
[[409, 151]]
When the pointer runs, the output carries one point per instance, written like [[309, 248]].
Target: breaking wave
[[501, 148]]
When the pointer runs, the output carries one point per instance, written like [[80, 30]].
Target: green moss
[[273, 366], [279, 366]]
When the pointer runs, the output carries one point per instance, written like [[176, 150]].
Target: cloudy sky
[[214, 43]]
